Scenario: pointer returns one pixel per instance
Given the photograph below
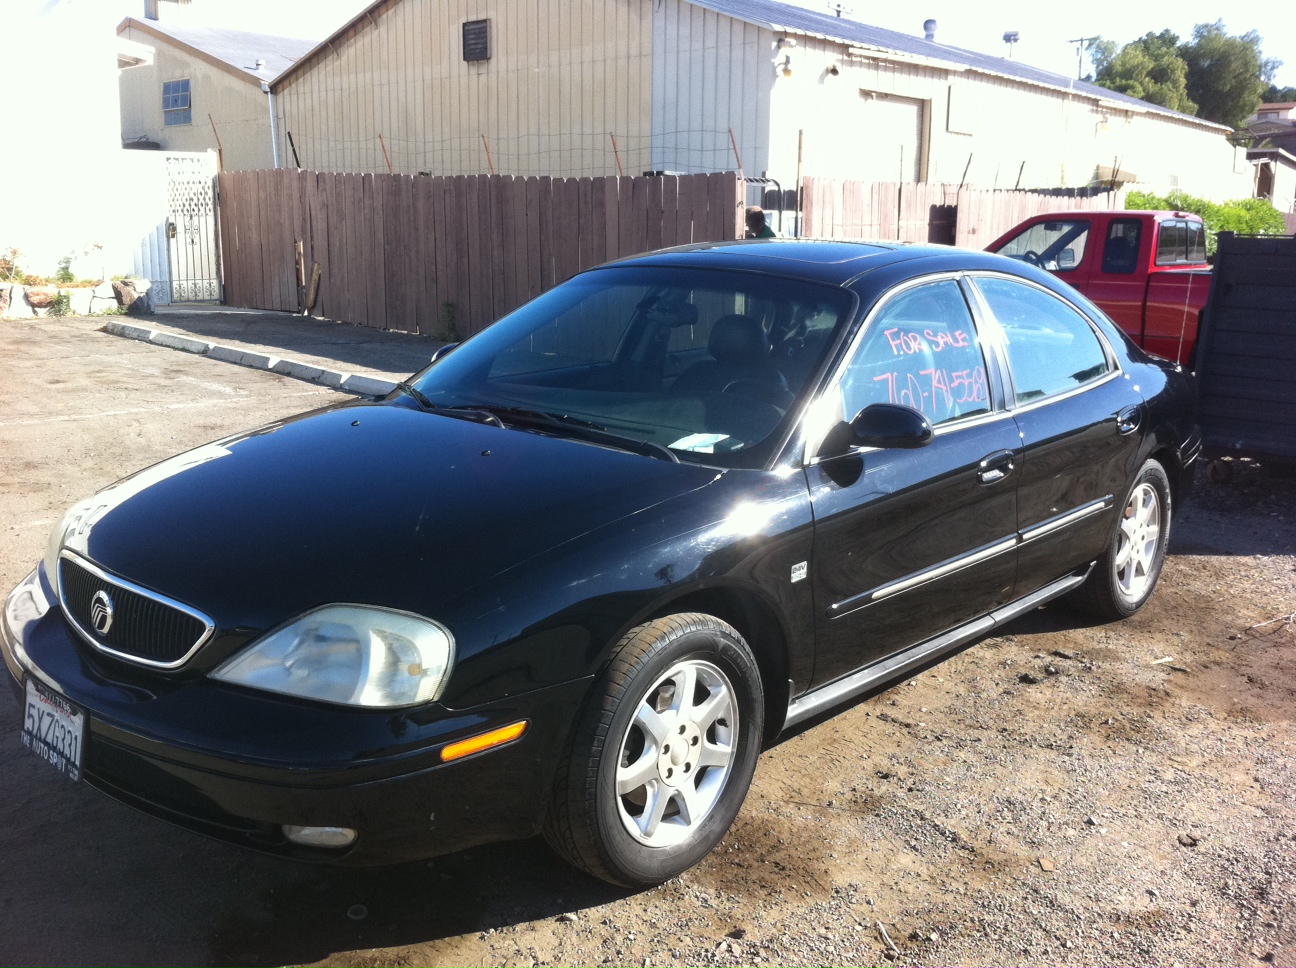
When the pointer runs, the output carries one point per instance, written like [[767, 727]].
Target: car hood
[[366, 503]]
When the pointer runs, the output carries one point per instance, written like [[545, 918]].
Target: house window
[[476, 40], [175, 103]]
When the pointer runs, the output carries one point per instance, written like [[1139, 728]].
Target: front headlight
[[355, 655]]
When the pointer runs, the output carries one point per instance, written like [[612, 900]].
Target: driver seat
[[740, 352]]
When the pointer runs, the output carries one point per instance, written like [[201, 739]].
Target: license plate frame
[[54, 728]]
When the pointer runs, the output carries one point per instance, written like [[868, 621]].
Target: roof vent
[[929, 29], [260, 65]]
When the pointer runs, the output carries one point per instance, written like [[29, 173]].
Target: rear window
[[1181, 242]]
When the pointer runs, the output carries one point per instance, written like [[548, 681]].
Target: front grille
[[145, 628]]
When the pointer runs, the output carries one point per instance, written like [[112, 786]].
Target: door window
[[921, 350], [1120, 254], [1051, 347]]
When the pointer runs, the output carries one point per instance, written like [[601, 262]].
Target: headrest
[[738, 340]]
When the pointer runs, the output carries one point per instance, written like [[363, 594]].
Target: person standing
[[756, 225]]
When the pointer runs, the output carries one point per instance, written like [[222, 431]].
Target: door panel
[[897, 531], [906, 513], [1077, 463]]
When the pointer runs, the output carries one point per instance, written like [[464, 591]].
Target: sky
[[1046, 30]]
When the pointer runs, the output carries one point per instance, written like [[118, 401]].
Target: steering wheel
[[1033, 257]]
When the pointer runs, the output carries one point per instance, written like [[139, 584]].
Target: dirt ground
[[1064, 793]]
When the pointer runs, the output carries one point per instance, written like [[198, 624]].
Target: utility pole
[[1082, 44]]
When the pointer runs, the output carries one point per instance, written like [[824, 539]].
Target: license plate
[[54, 729]]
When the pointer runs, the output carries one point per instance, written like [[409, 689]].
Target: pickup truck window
[[1057, 246], [1120, 254], [1181, 242], [1051, 347]]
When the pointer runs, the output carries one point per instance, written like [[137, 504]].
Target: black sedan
[[575, 575]]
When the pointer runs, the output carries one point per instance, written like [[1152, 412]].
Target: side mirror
[[1066, 259], [889, 425], [441, 351]]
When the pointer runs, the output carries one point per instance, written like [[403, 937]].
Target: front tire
[[663, 754], [1128, 570]]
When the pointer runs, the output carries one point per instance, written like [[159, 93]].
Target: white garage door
[[893, 132]]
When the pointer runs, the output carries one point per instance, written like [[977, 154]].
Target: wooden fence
[[445, 255], [928, 212]]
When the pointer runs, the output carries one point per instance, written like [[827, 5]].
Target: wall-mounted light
[[785, 65], [833, 70]]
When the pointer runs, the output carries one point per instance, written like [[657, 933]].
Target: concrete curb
[[357, 383]]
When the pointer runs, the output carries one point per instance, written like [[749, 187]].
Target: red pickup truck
[[1146, 270]]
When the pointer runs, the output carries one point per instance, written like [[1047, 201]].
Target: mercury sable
[[573, 576]]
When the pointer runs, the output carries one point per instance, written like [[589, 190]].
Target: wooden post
[[616, 151], [386, 154], [489, 161], [220, 150], [738, 158]]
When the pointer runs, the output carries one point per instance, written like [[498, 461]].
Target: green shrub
[[65, 274], [1246, 216], [62, 305]]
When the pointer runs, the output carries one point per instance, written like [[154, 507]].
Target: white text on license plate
[[53, 729]]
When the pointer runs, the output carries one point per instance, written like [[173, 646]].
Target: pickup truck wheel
[[1128, 570], [661, 759]]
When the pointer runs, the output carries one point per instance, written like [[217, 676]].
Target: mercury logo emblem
[[101, 612]]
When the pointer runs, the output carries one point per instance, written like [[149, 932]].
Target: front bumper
[[239, 765]]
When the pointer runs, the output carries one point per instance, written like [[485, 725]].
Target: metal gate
[[192, 254]]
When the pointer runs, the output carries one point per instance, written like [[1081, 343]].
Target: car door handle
[[996, 467], [1128, 420]]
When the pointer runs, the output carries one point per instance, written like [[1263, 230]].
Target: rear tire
[[662, 755], [1125, 575]]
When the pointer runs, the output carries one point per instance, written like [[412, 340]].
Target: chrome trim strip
[[1068, 394], [1071, 517], [210, 626], [818, 700], [922, 577]]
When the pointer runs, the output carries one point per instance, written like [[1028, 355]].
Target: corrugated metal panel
[[562, 75]]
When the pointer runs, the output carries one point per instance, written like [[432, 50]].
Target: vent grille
[[145, 627]]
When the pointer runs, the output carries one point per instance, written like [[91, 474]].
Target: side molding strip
[[811, 703]]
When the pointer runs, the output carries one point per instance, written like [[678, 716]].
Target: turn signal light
[[483, 741]]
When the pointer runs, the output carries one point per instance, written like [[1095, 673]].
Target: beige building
[[594, 87], [203, 90]]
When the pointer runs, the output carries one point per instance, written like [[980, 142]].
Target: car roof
[[832, 261]]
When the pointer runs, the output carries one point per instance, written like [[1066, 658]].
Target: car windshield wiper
[[419, 396], [577, 427], [479, 414]]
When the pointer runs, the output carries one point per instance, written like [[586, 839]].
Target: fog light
[[320, 836]]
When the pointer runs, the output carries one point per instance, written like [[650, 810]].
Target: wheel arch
[[760, 626]]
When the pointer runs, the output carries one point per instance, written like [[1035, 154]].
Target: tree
[[1226, 75], [1278, 95], [1150, 69]]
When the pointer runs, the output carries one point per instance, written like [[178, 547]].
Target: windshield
[[705, 363]]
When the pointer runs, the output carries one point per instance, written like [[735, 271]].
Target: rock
[[1050, 670], [1028, 679], [1188, 840], [1047, 864], [41, 297], [4, 299], [737, 934], [105, 290], [1091, 821], [567, 918], [125, 292], [142, 306]]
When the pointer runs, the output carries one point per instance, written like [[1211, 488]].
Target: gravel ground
[[1064, 793]]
